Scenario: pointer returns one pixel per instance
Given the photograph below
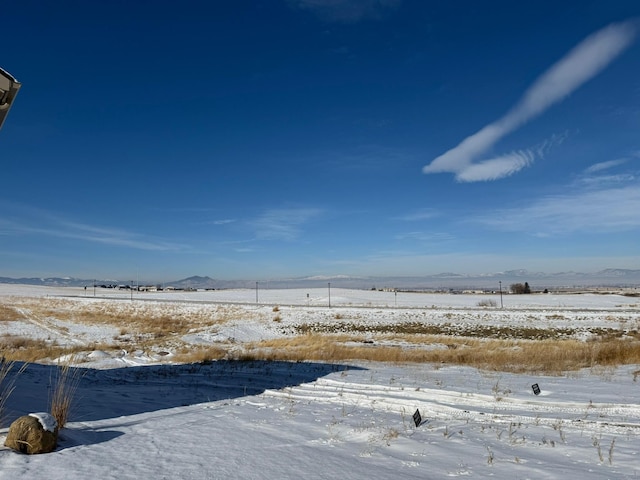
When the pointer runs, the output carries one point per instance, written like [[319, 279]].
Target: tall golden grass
[[546, 356]]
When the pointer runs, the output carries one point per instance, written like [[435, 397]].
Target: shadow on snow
[[103, 394]]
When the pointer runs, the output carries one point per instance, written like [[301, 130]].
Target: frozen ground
[[137, 415]]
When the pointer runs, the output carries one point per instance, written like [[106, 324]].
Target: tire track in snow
[[49, 326], [449, 405]]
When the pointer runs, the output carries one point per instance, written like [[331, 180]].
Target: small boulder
[[33, 433]]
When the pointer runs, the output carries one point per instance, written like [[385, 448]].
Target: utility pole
[[256, 293], [500, 283], [329, 294]]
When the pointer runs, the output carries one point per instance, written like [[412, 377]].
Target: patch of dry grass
[[8, 313], [203, 354], [19, 348], [158, 319], [547, 356], [30, 350], [141, 325]]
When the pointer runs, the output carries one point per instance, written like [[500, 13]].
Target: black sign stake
[[536, 389], [417, 418]]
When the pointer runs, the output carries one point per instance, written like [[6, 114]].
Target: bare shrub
[[519, 288], [390, 434]]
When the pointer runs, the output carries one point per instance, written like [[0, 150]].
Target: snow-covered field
[[140, 415]]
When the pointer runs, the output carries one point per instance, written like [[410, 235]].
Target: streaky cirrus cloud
[[20, 220], [419, 215], [598, 167], [579, 65], [598, 175], [601, 210], [498, 167], [283, 223], [510, 163]]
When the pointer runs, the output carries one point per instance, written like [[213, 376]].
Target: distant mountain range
[[537, 280]]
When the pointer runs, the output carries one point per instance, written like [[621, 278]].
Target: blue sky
[[284, 138]]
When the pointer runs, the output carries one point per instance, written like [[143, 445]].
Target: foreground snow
[[352, 420]]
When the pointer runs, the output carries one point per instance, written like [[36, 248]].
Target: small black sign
[[536, 389], [417, 418]]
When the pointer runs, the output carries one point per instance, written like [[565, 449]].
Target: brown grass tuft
[[200, 354], [63, 391]]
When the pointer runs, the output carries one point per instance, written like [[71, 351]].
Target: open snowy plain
[[141, 412]]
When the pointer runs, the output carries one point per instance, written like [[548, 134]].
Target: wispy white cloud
[[588, 211], [596, 202], [599, 175], [225, 221], [549, 143], [346, 11], [578, 66], [432, 237], [283, 224], [19, 220], [598, 167], [424, 214], [602, 181]]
